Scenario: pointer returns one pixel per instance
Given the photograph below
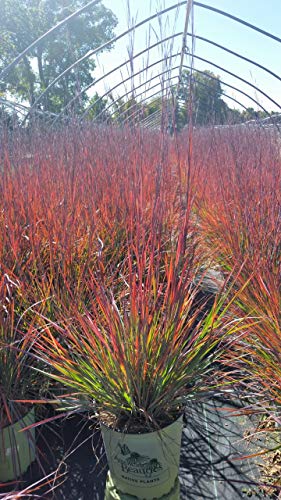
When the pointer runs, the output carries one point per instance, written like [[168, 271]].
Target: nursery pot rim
[[141, 434]]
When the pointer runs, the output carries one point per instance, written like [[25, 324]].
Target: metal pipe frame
[[94, 82], [113, 40], [170, 78], [98, 49], [239, 78], [179, 4], [126, 80], [264, 68], [186, 67], [93, 2], [238, 20], [224, 70], [20, 108], [13, 106], [146, 121], [157, 93], [236, 54]]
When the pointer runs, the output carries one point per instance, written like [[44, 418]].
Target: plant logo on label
[[138, 468]]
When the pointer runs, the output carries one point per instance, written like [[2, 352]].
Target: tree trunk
[[30, 79]]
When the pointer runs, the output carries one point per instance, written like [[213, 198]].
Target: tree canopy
[[23, 21], [208, 107]]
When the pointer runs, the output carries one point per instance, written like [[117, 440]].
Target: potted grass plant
[[141, 350], [17, 382]]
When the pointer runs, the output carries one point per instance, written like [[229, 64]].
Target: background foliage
[[23, 21]]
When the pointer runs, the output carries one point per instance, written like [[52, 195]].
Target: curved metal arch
[[126, 80], [21, 108], [101, 47], [136, 88], [230, 86], [13, 106], [226, 49], [93, 2], [239, 78], [141, 85], [135, 113], [238, 20], [94, 82], [151, 117], [143, 100], [157, 93], [202, 72], [173, 69], [225, 95]]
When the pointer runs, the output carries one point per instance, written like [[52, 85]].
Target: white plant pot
[[17, 449], [144, 465]]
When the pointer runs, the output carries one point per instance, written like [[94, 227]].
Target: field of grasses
[[107, 236]]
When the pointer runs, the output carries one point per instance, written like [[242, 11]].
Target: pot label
[[138, 468]]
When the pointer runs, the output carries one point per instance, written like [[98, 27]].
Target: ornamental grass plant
[[17, 381], [142, 345], [135, 360], [241, 220]]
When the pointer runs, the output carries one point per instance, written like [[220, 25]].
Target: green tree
[[153, 105], [8, 117], [208, 106], [253, 114], [128, 110], [234, 116], [98, 109], [22, 21]]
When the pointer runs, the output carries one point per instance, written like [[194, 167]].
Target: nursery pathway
[[212, 445]]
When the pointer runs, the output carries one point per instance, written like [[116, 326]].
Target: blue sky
[[266, 15]]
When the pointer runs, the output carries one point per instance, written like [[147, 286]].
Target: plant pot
[[17, 449], [143, 465]]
